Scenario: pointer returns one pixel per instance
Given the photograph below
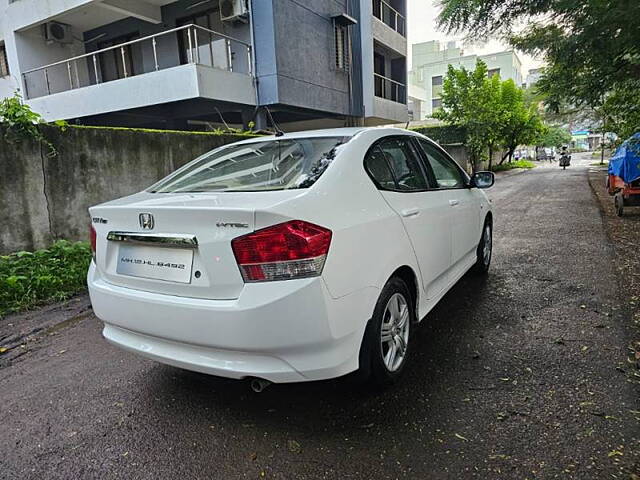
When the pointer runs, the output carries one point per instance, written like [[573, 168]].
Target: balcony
[[389, 89], [179, 64], [388, 15], [198, 45], [389, 101]]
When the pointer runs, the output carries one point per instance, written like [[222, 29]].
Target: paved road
[[520, 376]]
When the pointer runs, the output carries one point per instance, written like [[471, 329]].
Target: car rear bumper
[[286, 331]]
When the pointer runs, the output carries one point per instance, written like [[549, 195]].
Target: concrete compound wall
[[46, 198]]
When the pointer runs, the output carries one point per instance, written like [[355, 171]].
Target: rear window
[[281, 164]]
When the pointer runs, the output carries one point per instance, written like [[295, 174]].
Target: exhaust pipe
[[259, 384]]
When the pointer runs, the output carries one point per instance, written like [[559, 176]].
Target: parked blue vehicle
[[623, 181]]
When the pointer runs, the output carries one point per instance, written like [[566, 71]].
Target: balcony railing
[[390, 16], [190, 44], [390, 89]]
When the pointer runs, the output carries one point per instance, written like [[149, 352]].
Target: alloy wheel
[[394, 334], [486, 247]]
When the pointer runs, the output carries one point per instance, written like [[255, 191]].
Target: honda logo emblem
[[146, 221]]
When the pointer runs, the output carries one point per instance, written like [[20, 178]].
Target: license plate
[[169, 264]]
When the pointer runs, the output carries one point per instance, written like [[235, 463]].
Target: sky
[[422, 28]]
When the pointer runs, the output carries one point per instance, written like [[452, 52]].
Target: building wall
[[430, 60], [46, 198], [295, 54], [8, 85]]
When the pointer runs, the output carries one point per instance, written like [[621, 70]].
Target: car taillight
[[294, 249], [92, 240]]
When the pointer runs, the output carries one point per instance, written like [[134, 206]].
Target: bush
[[510, 165], [443, 134], [28, 279]]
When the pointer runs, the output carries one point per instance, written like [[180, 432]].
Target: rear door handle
[[410, 212], [453, 203]]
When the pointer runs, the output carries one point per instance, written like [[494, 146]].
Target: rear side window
[[446, 172], [405, 166], [281, 164], [378, 167]]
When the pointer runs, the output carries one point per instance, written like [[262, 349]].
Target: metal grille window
[[341, 35], [4, 62]]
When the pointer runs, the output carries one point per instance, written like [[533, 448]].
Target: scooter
[[565, 161]]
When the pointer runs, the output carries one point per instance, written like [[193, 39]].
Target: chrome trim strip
[[155, 239]]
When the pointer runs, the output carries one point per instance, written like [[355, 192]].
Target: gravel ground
[[522, 375]]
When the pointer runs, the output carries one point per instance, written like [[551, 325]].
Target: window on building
[[493, 71], [436, 103], [4, 62], [341, 38], [436, 81]]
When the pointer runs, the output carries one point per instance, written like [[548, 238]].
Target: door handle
[[453, 203], [410, 212]]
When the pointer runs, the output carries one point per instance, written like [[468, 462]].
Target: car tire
[[394, 314], [484, 252]]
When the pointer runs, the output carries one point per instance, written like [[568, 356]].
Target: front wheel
[[485, 250], [385, 346]]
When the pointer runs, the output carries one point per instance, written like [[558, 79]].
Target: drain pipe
[[259, 384]]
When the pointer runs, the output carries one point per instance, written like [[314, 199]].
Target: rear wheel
[[485, 249], [618, 202], [385, 345]]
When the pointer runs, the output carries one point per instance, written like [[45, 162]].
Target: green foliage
[[471, 100], [520, 123], [554, 137], [443, 134], [492, 113], [53, 274], [22, 122], [508, 166], [592, 50]]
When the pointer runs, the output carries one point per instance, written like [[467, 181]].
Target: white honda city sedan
[[290, 258]]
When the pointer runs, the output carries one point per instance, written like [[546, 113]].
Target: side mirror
[[483, 179]]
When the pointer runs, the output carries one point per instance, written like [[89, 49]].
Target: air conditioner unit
[[58, 32], [233, 10]]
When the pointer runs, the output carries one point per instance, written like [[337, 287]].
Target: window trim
[[5, 66], [418, 155], [423, 156]]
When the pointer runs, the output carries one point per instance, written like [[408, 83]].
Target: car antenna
[[222, 118], [279, 132]]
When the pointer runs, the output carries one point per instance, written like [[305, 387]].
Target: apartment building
[[192, 63], [430, 62]]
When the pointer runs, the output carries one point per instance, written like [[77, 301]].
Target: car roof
[[329, 132]]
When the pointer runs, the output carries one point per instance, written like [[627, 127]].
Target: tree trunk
[[490, 157]]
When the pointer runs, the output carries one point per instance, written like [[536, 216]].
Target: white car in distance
[[290, 258]]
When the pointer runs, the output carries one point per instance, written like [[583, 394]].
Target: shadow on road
[[440, 350]]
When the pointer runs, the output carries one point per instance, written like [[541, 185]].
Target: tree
[[471, 100], [554, 137], [592, 48], [493, 113], [521, 124]]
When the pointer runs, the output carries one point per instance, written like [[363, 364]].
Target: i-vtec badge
[[232, 224], [99, 220]]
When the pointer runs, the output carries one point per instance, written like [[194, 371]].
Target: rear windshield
[[271, 165]]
